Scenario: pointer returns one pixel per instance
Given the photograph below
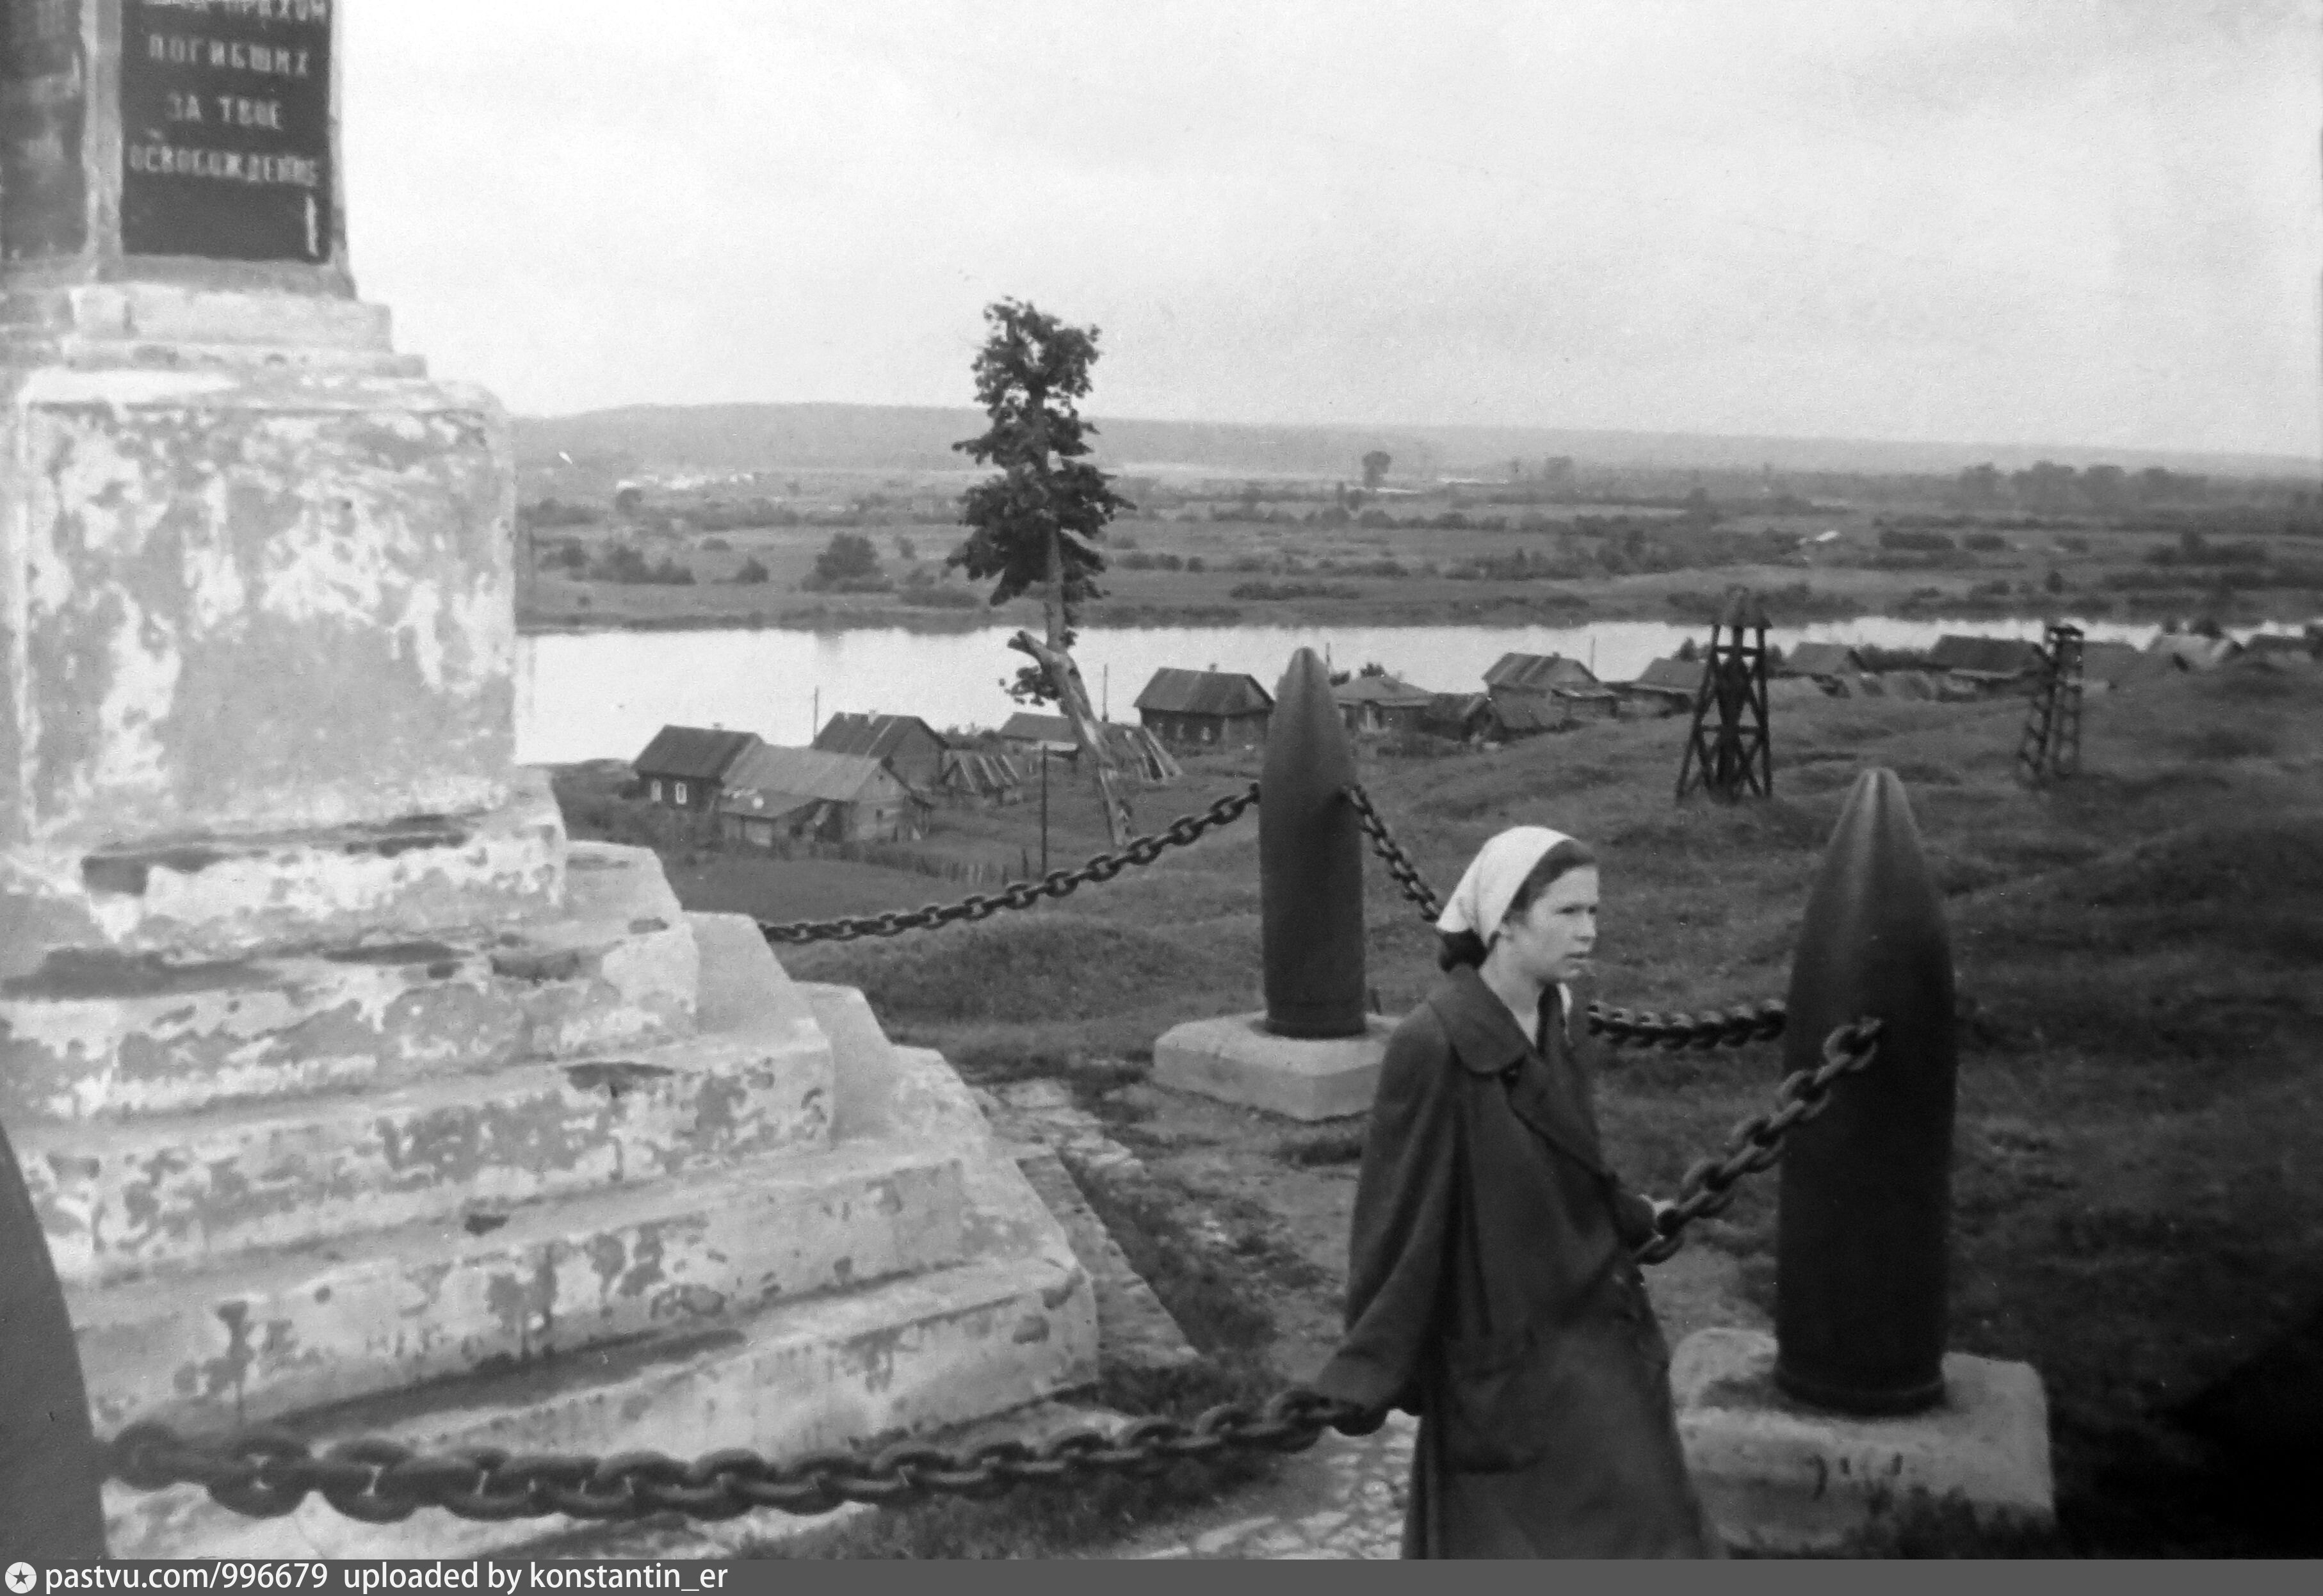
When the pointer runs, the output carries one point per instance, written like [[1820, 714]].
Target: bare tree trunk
[[1073, 697]]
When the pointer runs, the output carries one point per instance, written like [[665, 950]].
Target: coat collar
[[1486, 1039]]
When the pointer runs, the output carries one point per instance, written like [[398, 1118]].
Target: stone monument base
[[1235, 1059], [1779, 1477]]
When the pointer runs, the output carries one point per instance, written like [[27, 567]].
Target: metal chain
[[1186, 829], [1398, 863], [1732, 1028], [1729, 1028], [265, 1475], [1756, 1144]]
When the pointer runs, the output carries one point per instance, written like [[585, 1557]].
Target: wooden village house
[[1534, 682], [1823, 662], [1372, 704], [1987, 663], [1666, 687], [686, 766], [905, 744], [1462, 717], [774, 795], [1205, 709]]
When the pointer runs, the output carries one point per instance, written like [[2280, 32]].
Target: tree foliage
[[1044, 499], [1375, 465]]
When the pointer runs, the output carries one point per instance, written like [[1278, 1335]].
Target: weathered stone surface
[[830, 1371], [1779, 1477], [388, 1310], [225, 897], [1134, 1330], [139, 323], [97, 1035], [250, 599], [1236, 1059], [119, 1200], [163, 1192]]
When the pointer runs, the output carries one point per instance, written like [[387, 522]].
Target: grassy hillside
[[2138, 1204]]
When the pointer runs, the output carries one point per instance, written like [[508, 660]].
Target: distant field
[[1229, 562]]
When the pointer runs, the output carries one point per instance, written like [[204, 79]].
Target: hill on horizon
[[747, 437]]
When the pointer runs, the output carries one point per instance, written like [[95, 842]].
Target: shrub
[[1193, 562], [1983, 543], [1926, 543], [1289, 589], [940, 598], [848, 564], [754, 570], [624, 564]]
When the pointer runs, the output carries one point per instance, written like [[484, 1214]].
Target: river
[[588, 695]]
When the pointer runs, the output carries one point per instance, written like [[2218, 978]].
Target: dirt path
[[1223, 1170]]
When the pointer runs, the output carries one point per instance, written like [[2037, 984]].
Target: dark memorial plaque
[[43, 105], [226, 129]]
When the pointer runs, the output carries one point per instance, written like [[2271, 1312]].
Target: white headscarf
[[1481, 902]]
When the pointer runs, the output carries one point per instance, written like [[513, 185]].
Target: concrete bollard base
[[1779, 1477], [1236, 1059]]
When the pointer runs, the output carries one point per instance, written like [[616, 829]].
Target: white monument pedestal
[[1237, 1060], [1780, 1477]]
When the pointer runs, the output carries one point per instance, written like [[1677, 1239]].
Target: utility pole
[[1045, 809], [814, 718]]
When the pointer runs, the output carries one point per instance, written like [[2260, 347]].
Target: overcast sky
[[2005, 221]]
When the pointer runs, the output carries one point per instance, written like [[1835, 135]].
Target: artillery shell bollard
[[1852, 1407], [1313, 1053]]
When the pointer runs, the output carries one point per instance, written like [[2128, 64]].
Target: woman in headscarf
[[1491, 1288]]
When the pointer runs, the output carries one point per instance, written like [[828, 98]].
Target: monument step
[[383, 1311], [910, 1355], [221, 898], [101, 1035], [80, 352], [122, 1198]]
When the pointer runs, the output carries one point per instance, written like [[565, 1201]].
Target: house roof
[[1024, 727], [875, 737], [771, 772], [1998, 656], [1381, 690], [1820, 659], [1672, 676], [1204, 692], [1537, 673], [692, 753], [1529, 712]]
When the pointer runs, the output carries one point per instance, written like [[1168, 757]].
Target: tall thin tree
[[1036, 520]]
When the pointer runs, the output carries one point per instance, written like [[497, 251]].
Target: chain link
[[1181, 832], [265, 1475], [1756, 1144]]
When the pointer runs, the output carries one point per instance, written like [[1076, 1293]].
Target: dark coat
[[1491, 1290]]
